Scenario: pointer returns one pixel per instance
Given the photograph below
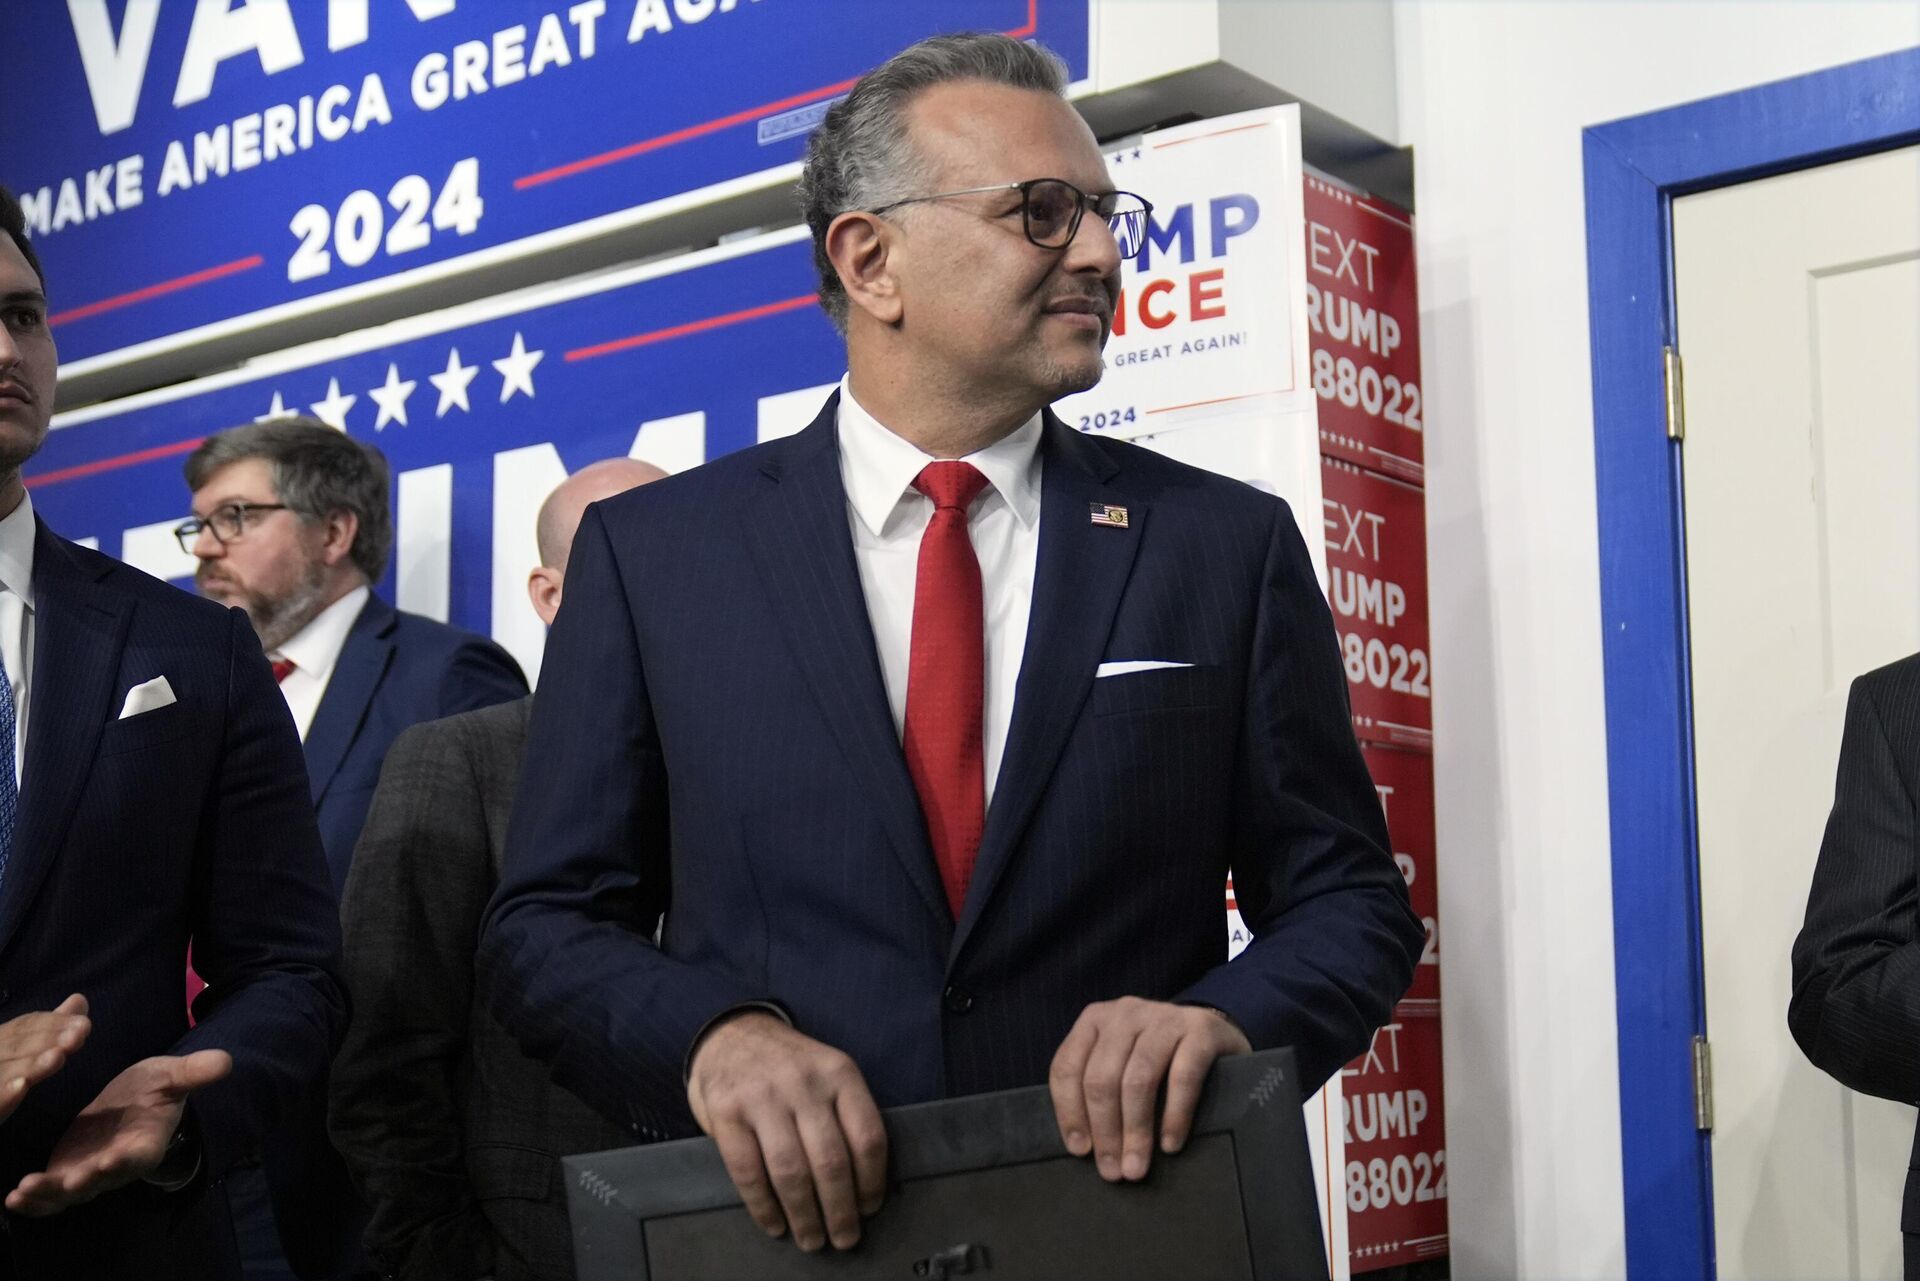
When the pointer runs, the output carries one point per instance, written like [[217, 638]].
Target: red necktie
[[946, 678], [282, 668]]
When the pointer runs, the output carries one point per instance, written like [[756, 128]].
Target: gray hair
[[316, 471], [861, 157]]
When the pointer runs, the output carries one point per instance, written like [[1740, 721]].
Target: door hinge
[[1676, 394], [1702, 1085]]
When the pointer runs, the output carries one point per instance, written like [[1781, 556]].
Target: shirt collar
[[315, 648], [878, 466], [16, 551]]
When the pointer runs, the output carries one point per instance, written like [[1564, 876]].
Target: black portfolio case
[[983, 1187]]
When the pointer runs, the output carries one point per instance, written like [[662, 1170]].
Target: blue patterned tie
[[9, 784]]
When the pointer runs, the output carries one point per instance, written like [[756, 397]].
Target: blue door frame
[[1634, 169]]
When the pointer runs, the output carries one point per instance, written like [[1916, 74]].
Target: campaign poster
[[1394, 1181], [481, 410], [1404, 782], [1271, 454], [1363, 311], [1378, 1130], [192, 171], [1211, 323], [1376, 541]]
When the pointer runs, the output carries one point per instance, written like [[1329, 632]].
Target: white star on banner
[[453, 384], [516, 369], [333, 410], [392, 398], [278, 409]]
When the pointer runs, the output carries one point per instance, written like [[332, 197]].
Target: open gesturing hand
[[35, 1046], [120, 1136]]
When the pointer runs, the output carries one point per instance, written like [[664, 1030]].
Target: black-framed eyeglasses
[[1051, 208], [229, 523]]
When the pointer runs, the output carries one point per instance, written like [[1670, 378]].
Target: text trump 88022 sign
[[196, 170]]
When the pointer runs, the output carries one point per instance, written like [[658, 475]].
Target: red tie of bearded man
[[946, 678], [282, 668]]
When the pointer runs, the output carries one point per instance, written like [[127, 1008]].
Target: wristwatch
[[181, 1161]]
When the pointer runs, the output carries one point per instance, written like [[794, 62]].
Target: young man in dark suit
[[933, 732], [451, 1132], [1856, 965], [151, 792]]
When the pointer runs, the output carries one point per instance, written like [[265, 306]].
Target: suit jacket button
[[958, 1002]]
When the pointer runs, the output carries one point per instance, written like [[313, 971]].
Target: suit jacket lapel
[[79, 631], [800, 541], [356, 675], [1077, 585]]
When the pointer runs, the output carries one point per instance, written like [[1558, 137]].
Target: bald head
[[560, 514]]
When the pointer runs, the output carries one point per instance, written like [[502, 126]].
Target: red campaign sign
[[1395, 1180], [1376, 530], [1363, 317], [1405, 783]]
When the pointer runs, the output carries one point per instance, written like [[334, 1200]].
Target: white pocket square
[[1135, 665], [148, 696]]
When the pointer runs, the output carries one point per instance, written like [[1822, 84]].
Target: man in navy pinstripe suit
[[932, 732], [151, 791]]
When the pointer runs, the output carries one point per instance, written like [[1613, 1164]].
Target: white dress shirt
[[16, 618], [313, 651], [888, 516]]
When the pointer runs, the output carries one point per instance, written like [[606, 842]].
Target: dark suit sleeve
[[480, 674], [567, 958], [1335, 941], [1856, 966], [266, 937], [411, 915]]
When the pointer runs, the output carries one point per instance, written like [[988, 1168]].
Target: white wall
[[1493, 97], [1336, 54]]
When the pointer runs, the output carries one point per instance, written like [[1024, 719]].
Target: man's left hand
[[1108, 1073], [120, 1136]]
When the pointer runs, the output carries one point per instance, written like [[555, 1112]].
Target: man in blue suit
[[150, 792], [927, 738], [291, 523]]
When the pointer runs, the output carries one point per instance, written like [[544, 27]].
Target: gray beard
[[1062, 382], [277, 622]]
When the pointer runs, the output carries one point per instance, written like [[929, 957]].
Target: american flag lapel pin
[[1110, 515]]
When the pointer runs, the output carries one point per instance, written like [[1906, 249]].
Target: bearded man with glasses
[[291, 523], [907, 757]]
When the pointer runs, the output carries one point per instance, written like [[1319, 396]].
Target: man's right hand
[[795, 1123], [35, 1046]]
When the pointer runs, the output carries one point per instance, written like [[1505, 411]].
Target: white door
[[1799, 311]]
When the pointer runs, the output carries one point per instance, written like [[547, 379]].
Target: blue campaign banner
[[199, 169], [481, 411]]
